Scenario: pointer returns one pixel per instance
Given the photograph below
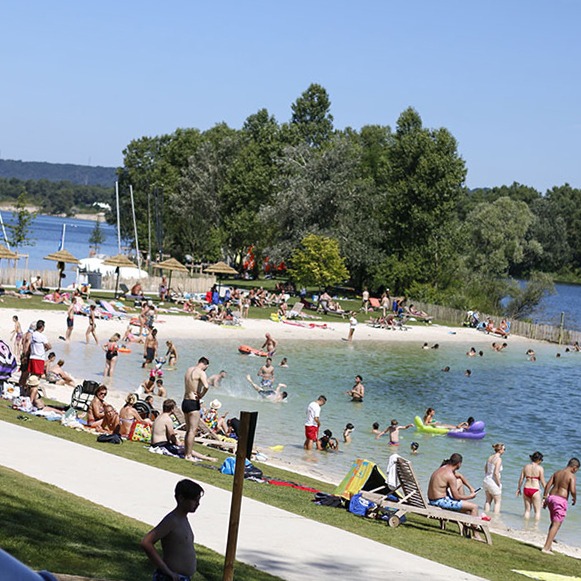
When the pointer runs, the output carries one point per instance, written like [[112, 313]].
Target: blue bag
[[360, 506]]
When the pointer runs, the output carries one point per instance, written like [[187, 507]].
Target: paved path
[[282, 543]]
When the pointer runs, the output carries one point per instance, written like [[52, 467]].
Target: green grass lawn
[[49, 529], [418, 536]]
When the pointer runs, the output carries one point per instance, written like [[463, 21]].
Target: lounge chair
[[374, 303], [109, 308], [412, 500], [296, 311]]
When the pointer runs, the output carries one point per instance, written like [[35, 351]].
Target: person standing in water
[[560, 485], [532, 476]]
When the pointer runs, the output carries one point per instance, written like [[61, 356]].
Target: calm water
[[528, 406]]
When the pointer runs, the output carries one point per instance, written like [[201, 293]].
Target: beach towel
[[7, 362], [392, 471]]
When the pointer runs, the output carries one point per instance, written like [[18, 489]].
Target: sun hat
[[33, 381], [215, 404]]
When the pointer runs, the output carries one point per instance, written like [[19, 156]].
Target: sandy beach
[[252, 332]]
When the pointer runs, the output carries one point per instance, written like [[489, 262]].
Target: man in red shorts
[[39, 345], [555, 499], [313, 422]]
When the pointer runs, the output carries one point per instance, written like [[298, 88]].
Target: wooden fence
[[179, 281], [550, 333]]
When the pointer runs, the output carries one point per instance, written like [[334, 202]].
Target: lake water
[[527, 405]]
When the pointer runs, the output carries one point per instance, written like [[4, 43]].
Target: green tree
[[524, 298], [318, 262], [20, 231], [426, 177], [97, 236], [311, 117]]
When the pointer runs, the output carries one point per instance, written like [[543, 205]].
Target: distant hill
[[57, 172]]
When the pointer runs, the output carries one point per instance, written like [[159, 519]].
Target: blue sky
[[80, 80]]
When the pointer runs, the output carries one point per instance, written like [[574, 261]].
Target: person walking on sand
[[178, 562], [352, 324], [491, 484], [313, 423], [560, 485], [92, 326], [71, 318], [195, 387], [533, 476]]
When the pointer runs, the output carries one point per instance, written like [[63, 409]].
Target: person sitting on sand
[[102, 416], [56, 374], [31, 390], [393, 431], [273, 395], [128, 415]]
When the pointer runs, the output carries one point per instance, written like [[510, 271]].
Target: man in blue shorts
[[443, 489]]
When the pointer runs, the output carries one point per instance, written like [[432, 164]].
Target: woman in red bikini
[[532, 475]]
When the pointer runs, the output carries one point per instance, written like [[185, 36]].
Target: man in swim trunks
[[71, 318], [151, 345], [195, 387], [443, 489], [273, 395], [270, 344], [555, 498], [266, 374]]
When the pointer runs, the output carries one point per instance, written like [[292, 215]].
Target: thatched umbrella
[[220, 269], [62, 257], [171, 264], [119, 261], [5, 253]]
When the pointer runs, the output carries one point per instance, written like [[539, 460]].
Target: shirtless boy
[[555, 499], [163, 434], [178, 562], [443, 489], [393, 431], [195, 388], [266, 374]]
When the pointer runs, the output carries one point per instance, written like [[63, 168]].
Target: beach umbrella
[[62, 257], [5, 253], [172, 265], [220, 269], [118, 261]]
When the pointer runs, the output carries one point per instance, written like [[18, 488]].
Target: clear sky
[[81, 79]]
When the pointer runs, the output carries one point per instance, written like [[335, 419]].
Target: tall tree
[[311, 117], [97, 236]]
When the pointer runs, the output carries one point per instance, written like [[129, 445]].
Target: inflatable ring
[[124, 350], [429, 429]]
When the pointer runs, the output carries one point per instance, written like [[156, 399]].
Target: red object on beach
[[247, 350]]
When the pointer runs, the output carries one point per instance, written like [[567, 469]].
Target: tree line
[[394, 201], [62, 197]]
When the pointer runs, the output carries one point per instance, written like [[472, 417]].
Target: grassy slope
[[47, 528], [418, 536]]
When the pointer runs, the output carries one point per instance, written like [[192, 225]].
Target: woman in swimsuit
[[172, 354], [128, 415], [102, 416], [17, 336], [111, 353], [533, 476], [92, 326], [492, 485], [430, 421]]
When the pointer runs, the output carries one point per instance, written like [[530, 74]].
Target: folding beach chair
[[413, 501], [296, 311], [109, 308]]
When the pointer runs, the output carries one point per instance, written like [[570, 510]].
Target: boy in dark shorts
[[178, 562]]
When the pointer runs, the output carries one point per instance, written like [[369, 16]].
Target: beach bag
[[360, 506], [228, 466], [110, 439], [140, 432], [251, 471]]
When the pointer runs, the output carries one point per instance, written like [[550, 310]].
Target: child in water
[[347, 433]]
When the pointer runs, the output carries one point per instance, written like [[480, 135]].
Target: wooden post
[[247, 426], [561, 328]]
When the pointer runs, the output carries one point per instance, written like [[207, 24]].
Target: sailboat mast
[[118, 219], [135, 231]]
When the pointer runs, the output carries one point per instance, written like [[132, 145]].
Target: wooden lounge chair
[[412, 500]]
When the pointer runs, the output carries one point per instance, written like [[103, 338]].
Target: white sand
[[252, 332]]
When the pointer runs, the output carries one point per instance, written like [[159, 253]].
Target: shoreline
[[252, 331], [98, 217]]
